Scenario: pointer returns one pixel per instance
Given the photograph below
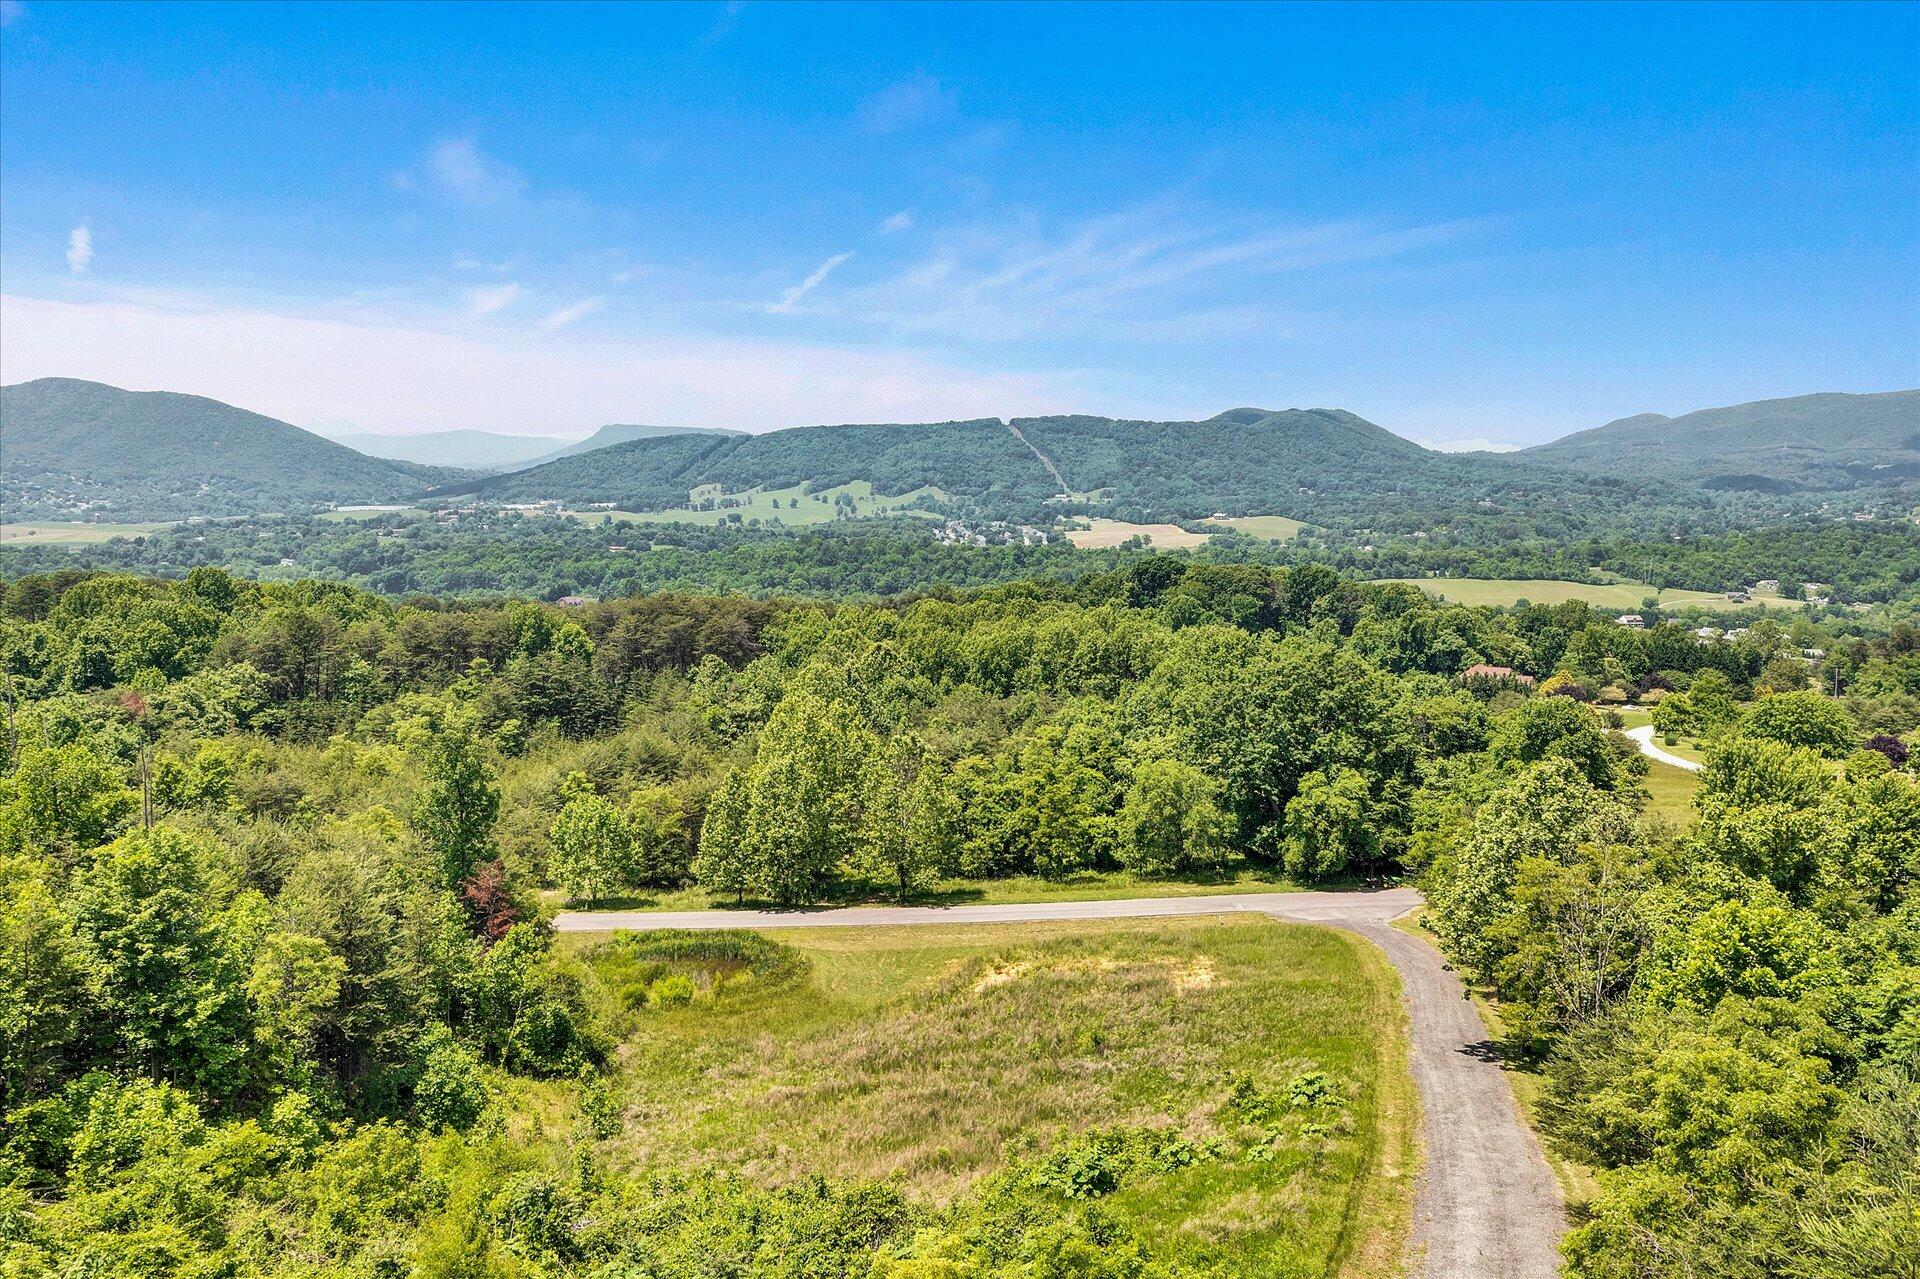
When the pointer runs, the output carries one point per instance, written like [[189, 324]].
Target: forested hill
[[1808, 442], [77, 448], [1320, 465], [980, 460], [626, 433]]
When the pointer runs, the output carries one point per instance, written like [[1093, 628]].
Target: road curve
[[1487, 1206], [1643, 738]]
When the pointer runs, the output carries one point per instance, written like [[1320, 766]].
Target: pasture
[[795, 506], [1623, 595]]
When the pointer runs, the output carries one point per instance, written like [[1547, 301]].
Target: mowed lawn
[[1625, 596], [934, 1057]]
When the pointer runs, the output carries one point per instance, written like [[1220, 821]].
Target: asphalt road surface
[[1487, 1206]]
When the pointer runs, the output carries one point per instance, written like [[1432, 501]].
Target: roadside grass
[[1243, 877], [933, 1057], [1624, 595], [1578, 1183]]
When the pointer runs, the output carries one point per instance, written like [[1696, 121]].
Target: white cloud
[[919, 97], [898, 222], [485, 301], [568, 314], [1130, 272], [787, 299], [396, 373], [458, 168], [79, 248]]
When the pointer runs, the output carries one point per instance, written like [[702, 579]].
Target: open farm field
[[1623, 595], [1164, 537], [798, 505], [73, 533], [1274, 528]]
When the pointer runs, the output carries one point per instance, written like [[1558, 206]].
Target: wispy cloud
[[568, 314], [1127, 272], [787, 299], [919, 97], [11, 11], [79, 248], [487, 300], [898, 222], [723, 26], [459, 169]]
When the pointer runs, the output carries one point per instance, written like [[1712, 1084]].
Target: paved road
[[1487, 1205], [1643, 738]]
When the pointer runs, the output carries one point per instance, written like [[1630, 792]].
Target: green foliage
[[592, 848], [1170, 823], [1802, 719], [461, 804]]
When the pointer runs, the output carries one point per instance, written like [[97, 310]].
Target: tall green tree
[[592, 848], [1170, 822], [461, 803]]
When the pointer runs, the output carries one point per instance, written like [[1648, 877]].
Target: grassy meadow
[[1101, 533], [795, 506], [955, 1060], [1274, 528], [73, 532], [1623, 595]]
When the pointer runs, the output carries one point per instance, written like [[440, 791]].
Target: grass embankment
[[1623, 595], [1086, 886], [939, 1057]]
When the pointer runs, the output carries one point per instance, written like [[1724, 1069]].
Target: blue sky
[[1487, 222]]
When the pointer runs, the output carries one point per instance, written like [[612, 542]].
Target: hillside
[[468, 450], [1808, 442], [979, 460], [1318, 465], [619, 433], [76, 449]]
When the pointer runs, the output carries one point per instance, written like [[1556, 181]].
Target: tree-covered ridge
[[981, 460], [1818, 442], [80, 449], [274, 857]]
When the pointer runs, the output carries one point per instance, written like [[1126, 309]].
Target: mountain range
[[496, 451], [1808, 442], [71, 449], [75, 449]]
